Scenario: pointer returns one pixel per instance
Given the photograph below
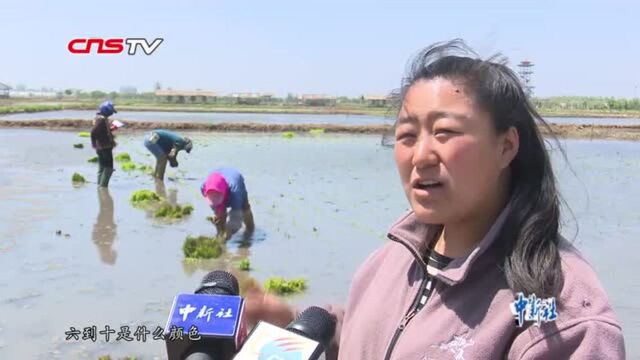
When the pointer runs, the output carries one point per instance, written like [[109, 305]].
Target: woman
[[483, 227], [224, 188], [103, 142]]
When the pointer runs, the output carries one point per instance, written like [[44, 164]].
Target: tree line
[[586, 103]]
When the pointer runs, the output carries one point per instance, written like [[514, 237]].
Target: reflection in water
[[224, 262], [242, 241], [104, 230], [161, 190]]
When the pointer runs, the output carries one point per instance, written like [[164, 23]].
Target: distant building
[[375, 100], [182, 97], [128, 90], [4, 91], [33, 94], [251, 98], [318, 100]]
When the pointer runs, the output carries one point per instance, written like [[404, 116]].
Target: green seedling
[[173, 212], [78, 146], [202, 247], [93, 159], [85, 134], [123, 157], [144, 168], [128, 166], [78, 179], [281, 286], [140, 197], [244, 265], [316, 131], [288, 134]]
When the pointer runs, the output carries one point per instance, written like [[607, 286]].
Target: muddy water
[[321, 203], [213, 117], [208, 117]]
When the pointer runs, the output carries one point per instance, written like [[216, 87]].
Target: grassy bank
[[614, 132], [28, 108], [623, 114]]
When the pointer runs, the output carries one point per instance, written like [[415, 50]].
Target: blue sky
[[337, 47]]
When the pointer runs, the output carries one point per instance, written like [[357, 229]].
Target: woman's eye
[[445, 132], [404, 135]]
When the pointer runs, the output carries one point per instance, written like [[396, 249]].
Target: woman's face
[[214, 198], [452, 164]]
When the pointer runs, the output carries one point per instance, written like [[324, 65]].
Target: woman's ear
[[509, 144]]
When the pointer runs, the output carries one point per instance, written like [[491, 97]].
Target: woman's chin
[[428, 215]]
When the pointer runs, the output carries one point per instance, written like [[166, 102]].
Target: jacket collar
[[417, 237]]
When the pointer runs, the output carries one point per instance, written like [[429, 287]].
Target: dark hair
[[528, 240]]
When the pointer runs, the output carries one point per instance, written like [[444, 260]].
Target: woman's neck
[[459, 238]]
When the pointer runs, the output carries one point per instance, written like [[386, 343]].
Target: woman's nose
[[424, 154]]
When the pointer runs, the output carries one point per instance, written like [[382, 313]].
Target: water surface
[[322, 204]]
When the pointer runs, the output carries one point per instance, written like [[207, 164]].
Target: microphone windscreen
[[219, 282], [315, 323]]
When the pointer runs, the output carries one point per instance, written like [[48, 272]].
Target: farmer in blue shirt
[[164, 145], [224, 188]]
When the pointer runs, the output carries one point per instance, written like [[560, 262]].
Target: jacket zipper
[[413, 310], [418, 303]]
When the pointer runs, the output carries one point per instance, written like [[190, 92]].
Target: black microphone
[[211, 320], [315, 323], [306, 338], [219, 282]]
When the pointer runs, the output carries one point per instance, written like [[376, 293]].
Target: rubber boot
[[106, 175], [100, 172]]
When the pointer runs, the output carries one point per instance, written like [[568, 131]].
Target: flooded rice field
[[265, 118], [77, 257], [207, 117]]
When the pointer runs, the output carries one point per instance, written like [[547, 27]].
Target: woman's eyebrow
[[407, 119], [431, 117], [435, 115]]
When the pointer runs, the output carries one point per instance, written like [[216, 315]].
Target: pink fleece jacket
[[467, 315]]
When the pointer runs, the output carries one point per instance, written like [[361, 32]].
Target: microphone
[[306, 338], [207, 325]]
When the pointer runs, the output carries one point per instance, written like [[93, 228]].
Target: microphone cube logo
[[281, 349], [269, 342], [113, 46]]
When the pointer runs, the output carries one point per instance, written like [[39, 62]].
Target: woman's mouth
[[427, 188], [427, 184]]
